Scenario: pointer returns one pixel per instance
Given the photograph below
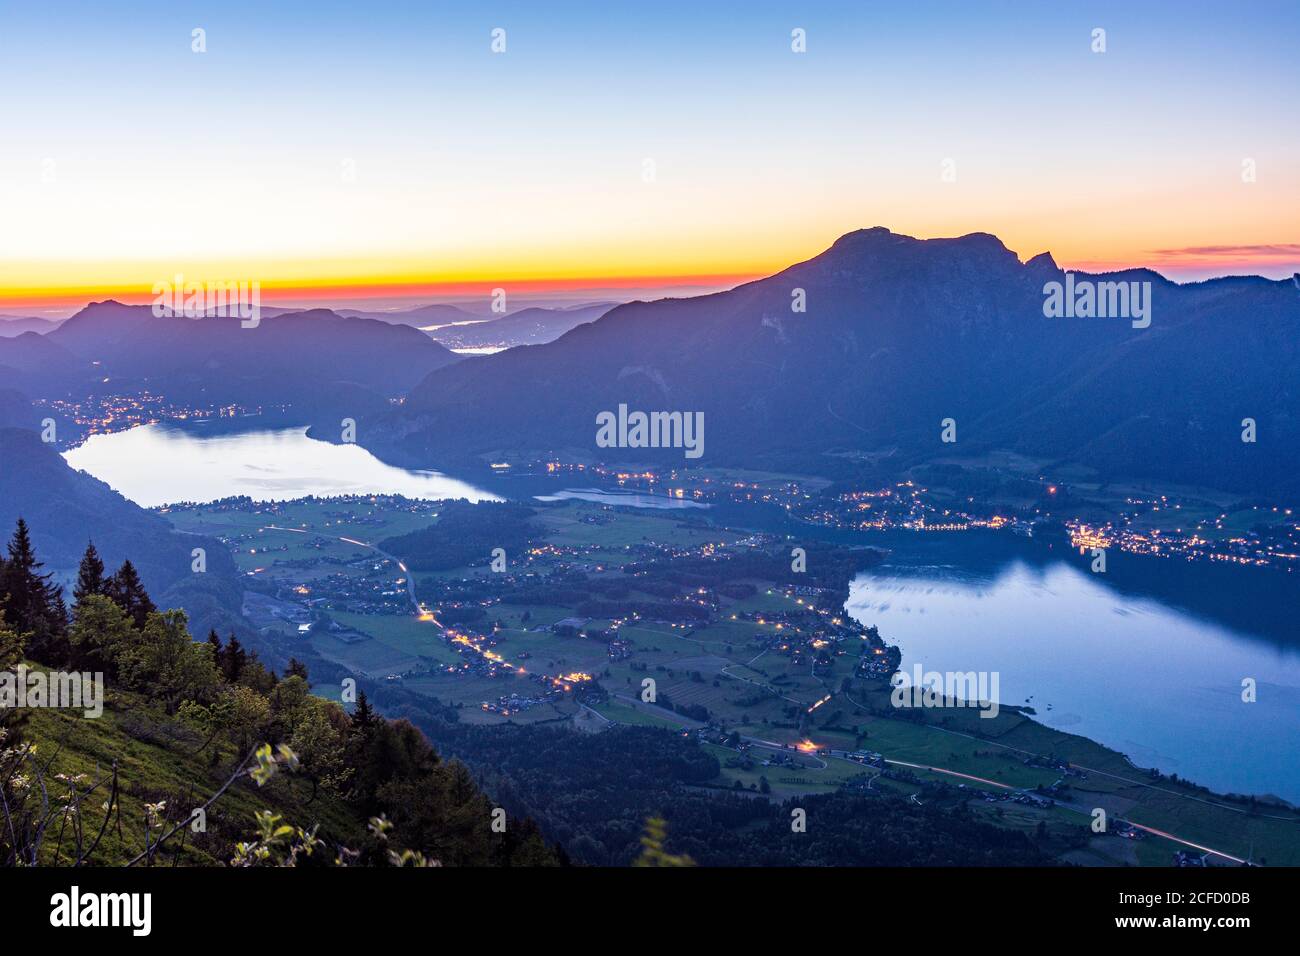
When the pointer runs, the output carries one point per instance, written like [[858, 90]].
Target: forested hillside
[[203, 755]]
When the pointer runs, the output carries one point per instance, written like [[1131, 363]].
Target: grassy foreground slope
[[158, 761]]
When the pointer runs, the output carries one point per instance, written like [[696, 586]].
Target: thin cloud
[[1265, 251]]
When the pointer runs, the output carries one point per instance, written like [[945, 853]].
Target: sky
[[384, 150]]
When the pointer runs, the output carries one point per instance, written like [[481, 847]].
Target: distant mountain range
[[38, 367], [458, 328], [420, 316], [315, 359], [319, 363], [898, 335], [12, 325], [532, 326]]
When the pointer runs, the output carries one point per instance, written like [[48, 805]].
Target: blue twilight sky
[[384, 143]]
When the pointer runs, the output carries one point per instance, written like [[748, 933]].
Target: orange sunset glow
[[738, 162]]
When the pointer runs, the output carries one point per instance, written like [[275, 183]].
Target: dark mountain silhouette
[[531, 326], [101, 328], [11, 325], [15, 410], [37, 365], [424, 315], [460, 328], [313, 359], [900, 333]]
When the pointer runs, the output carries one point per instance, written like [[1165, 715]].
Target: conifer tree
[[33, 603], [233, 659], [90, 576], [128, 593], [363, 715]]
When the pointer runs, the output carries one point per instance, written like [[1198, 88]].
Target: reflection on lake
[[626, 499], [157, 464], [1157, 682]]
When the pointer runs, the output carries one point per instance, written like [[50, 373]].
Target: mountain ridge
[[315, 359], [898, 334]]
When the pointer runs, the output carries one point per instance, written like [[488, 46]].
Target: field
[[751, 669]]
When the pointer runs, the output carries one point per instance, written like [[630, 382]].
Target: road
[[832, 755], [425, 614], [421, 611]]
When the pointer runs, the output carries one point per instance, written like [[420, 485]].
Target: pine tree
[[363, 715], [297, 668], [129, 594], [90, 576], [33, 603], [20, 583], [59, 610], [233, 659]]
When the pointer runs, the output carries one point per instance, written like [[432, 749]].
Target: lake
[[1101, 655], [621, 499], [1147, 658], [159, 464]]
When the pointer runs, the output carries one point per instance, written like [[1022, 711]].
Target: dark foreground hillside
[[199, 754]]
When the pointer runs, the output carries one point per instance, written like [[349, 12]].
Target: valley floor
[[770, 678]]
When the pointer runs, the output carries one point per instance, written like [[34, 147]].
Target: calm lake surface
[[1094, 655], [622, 499], [157, 465]]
